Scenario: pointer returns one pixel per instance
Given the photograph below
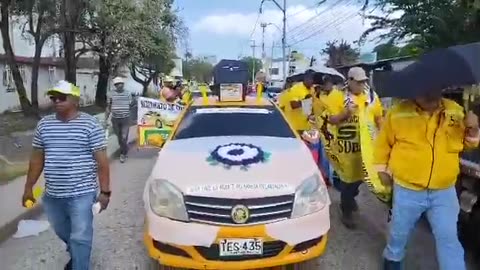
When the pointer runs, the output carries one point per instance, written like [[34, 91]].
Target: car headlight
[[311, 196], [166, 200]]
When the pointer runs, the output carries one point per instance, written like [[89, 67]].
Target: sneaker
[[391, 265], [122, 158], [69, 265]]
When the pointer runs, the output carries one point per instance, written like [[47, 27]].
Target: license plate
[[240, 247]]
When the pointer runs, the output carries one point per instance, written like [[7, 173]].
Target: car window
[[233, 121]]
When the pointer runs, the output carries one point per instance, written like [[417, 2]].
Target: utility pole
[[264, 26], [284, 32], [253, 60], [271, 58]]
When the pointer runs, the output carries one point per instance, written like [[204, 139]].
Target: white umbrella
[[327, 70], [319, 69]]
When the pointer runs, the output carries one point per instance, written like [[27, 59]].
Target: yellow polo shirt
[[297, 118]]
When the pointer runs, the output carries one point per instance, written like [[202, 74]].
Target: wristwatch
[[106, 193]]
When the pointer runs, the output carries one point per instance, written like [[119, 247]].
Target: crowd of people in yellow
[[416, 152]]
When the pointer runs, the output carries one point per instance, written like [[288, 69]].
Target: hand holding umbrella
[[471, 124]]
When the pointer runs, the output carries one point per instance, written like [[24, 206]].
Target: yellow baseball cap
[[66, 88]]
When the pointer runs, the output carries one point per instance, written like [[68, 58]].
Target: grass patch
[[9, 172], [16, 122]]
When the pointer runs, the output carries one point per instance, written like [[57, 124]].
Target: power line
[[255, 25], [321, 24], [326, 19], [316, 16], [306, 9], [252, 33], [321, 30]]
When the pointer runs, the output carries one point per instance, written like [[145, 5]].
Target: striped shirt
[[120, 104], [70, 168]]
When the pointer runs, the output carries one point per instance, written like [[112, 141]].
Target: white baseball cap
[[118, 80], [357, 74], [66, 88]]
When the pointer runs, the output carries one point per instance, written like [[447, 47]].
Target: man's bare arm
[[35, 168], [103, 169], [339, 118], [294, 104]]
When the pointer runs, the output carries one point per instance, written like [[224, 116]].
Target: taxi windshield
[[214, 121]]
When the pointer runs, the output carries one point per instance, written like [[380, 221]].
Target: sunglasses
[[58, 98]]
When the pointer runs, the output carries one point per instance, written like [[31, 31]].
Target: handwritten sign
[[155, 121], [231, 92]]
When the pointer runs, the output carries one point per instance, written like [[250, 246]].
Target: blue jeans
[[442, 209], [323, 160], [72, 220]]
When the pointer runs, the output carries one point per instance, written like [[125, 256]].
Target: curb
[[10, 228]]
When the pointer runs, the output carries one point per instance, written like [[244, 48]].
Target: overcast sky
[[225, 27]]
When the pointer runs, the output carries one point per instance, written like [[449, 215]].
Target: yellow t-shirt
[[282, 99], [297, 118], [347, 139], [319, 106]]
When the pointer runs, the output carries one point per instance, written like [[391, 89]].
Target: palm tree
[[340, 53]]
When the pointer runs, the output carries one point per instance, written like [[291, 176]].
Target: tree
[[340, 53], [389, 50], [113, 31], [151, 66], [429, 24], [198, 69], [254, 64], [125, 32], [162, 29], [72, 13], [5, 6], [40, 25]]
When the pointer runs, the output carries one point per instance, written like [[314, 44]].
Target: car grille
[[218, 210], [270, 249]]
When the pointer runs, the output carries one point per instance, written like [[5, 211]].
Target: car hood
[[187, 164]]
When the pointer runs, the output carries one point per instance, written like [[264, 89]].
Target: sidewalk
[[11, 210]]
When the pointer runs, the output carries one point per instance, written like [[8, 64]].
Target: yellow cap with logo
[[66, 88]]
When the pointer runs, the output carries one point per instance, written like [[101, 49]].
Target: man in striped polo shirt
[[119, 106], [69, 147]]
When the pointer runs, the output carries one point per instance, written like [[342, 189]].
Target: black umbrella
[[435, 71]]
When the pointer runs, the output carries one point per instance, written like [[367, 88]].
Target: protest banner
[[156, 120]]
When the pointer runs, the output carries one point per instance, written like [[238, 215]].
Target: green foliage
[[198, 70], [253, 62], [340, 53], [428, 23], [390, 50], [127, 31]]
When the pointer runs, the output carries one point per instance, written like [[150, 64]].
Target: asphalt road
[[118, 233]]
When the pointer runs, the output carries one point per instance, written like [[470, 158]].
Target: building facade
[[50, 72]]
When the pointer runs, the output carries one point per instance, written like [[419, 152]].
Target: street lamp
[[284, 32]]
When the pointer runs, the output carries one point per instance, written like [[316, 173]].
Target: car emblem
[[240, 214]]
